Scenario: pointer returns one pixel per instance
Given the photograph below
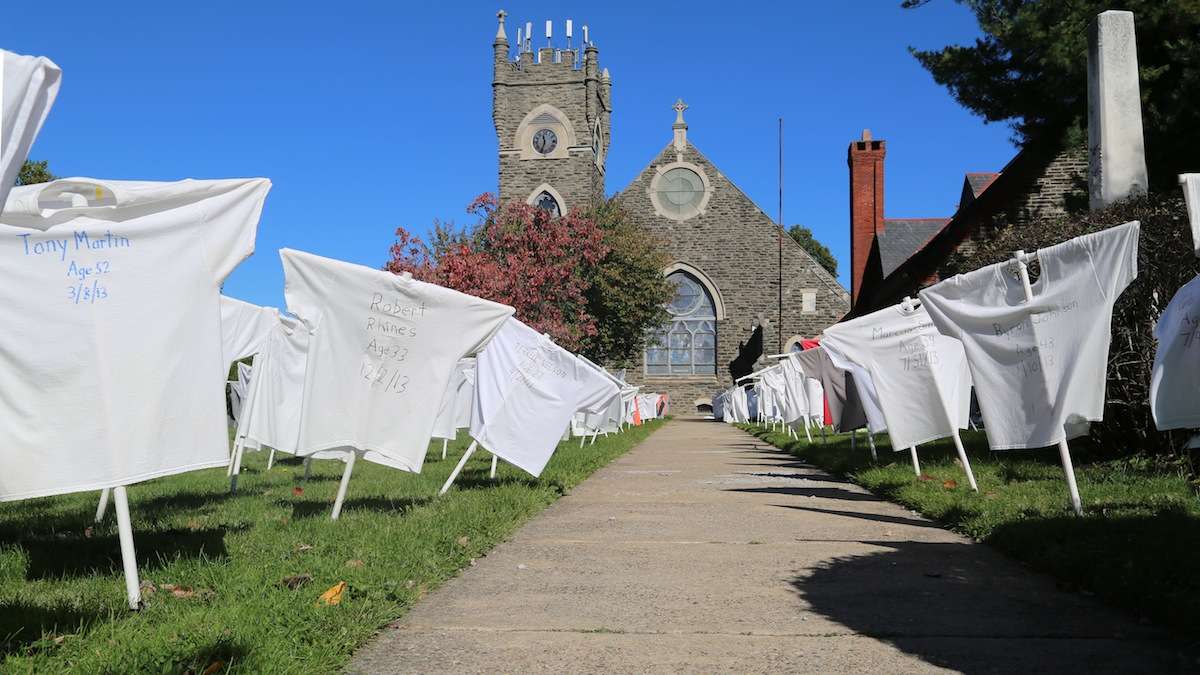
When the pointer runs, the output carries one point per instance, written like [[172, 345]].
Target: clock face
[[544, 141]]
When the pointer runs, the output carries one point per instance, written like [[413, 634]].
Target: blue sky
[[326, 100]]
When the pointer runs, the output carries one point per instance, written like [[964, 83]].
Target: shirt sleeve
[[244, 327], [1114, 257], [28, 87], [595, 390], [480, 320], [937, 305], [299, 275], [231, 224]]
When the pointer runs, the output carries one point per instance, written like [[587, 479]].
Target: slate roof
[[974, 185], [902, 237], [980, 181]]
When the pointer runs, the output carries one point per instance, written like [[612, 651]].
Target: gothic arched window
[[687, 344], [546, 202]]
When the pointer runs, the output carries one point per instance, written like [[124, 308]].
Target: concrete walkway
[[704, 550]]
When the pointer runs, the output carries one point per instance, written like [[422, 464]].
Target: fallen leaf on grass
[[303, 547], [87, 533], [194, 525], [185, 592], [333, 596], [464, 541], [924, 476], [354, 563], [214, 667], [410, 583], [295, 581], [950, 484], [297, 491], [147, 587]]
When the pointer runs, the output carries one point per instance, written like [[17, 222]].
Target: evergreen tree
[[820, 252]]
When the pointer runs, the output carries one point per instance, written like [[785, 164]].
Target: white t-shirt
[[1191, 193], [28, 87], [1175, 379], [526, 390], [111, 363], [245, 327], [917, 373], [382, 352], [273, 406], [1040, 366], [455, 410]]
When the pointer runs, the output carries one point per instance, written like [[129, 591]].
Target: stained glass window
[[547, 202], [687, 344]]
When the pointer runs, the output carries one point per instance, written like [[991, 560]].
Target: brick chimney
[[865, 158]]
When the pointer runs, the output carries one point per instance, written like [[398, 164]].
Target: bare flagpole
[[779, 329]]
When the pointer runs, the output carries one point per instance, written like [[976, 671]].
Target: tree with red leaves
[[518, 255]]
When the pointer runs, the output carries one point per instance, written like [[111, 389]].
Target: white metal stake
[[962, 457], [594, 435], [341, 493], [444, 448], [807, 433], [307, 468], [271, 459], [582, 438], [823, 439], [461, 463], [128, 556], [853, 440], [494, 460], [916, 465], [236, 467], [1064, 452], [871, 442], [102, 507]]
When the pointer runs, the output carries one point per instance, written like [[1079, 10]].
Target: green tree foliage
[[1030, 70], [35, 172], [628, 292], [820, 252]]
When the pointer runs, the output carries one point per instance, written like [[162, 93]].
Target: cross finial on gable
[[679, 107]]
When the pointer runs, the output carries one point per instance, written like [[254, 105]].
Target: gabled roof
[[902, 237], [973, 185]]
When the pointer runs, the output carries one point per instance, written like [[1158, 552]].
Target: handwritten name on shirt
[[87, 286]]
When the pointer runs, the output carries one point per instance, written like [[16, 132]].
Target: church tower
[[552, 111]]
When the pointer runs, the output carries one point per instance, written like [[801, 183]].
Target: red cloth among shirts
[[812, 344]]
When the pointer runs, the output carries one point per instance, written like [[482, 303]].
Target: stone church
[[552, 108]]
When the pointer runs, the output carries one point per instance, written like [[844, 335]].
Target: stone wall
[[735, 246]]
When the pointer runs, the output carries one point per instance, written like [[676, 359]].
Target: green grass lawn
[[218, 562], [1137, 545]]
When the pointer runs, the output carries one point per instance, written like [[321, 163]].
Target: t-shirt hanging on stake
[[840, 392], [526, 390], [272, 416], [454, 413], [383, 349], [28, 87], [1175, 378], [920, 375], [112, 320], [1039, 366]]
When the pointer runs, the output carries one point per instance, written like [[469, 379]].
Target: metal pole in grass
[[1064, 452], [494, 461], [871, 442], [962, 457], [307, 468], [912, 450], [236, 467], [102, 507], [128, 556], [341, 493], [461, 463], [444, 448]]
